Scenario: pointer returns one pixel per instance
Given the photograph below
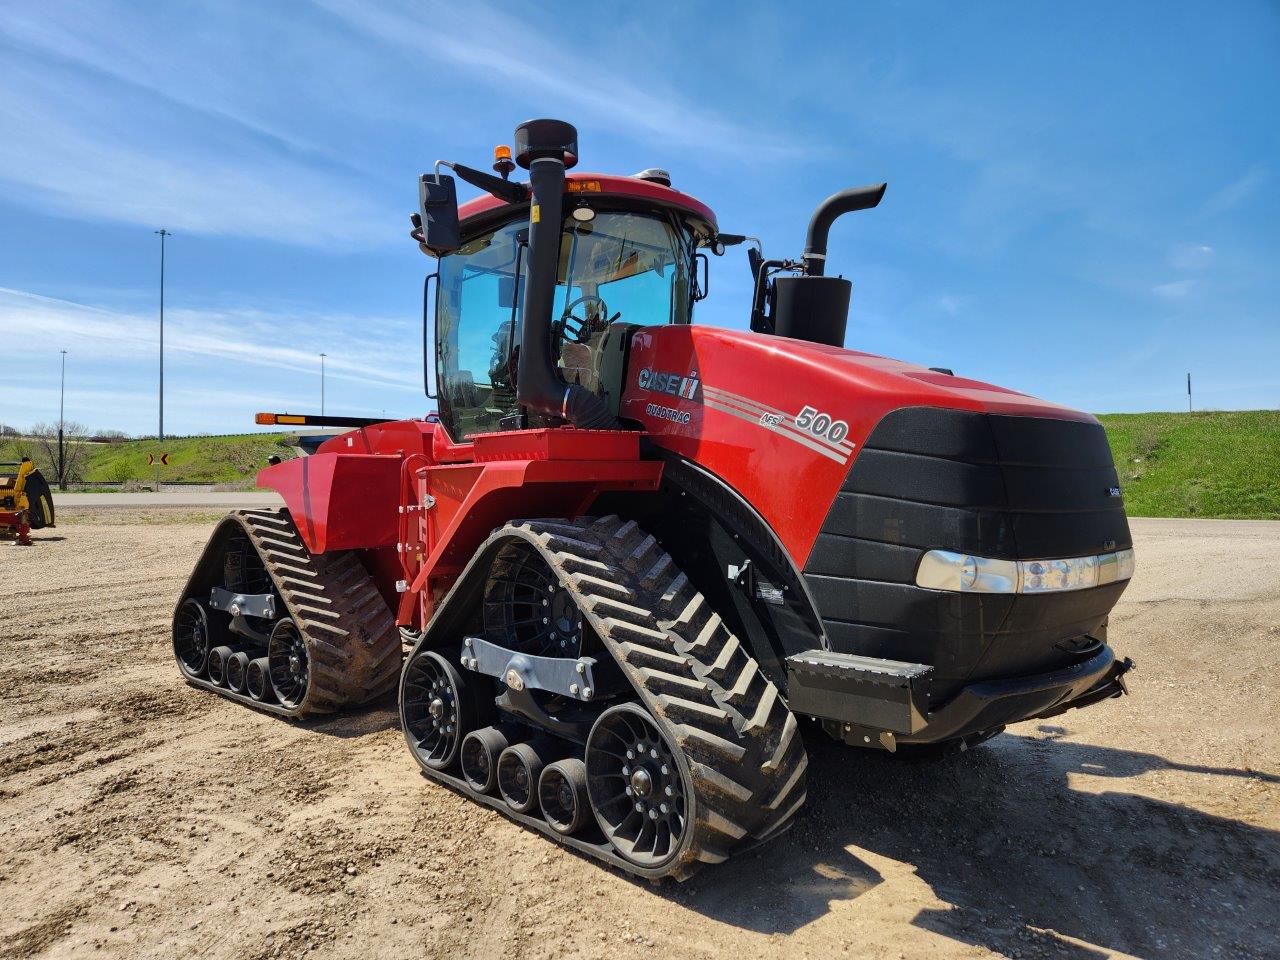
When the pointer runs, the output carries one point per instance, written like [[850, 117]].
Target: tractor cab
[[625, 256]]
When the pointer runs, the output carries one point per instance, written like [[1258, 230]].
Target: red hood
[[869, 373], [746, 407]]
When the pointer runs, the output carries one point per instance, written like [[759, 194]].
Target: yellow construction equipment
[[26, 503]]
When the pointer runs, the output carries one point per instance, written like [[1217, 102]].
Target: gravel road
[[141, 818], [170, 497]]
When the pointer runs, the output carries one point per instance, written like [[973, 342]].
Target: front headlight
[[964, 573]]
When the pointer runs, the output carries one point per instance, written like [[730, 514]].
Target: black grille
[[998, 486]]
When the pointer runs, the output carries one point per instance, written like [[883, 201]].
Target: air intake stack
[[547, 148], [812, 306]]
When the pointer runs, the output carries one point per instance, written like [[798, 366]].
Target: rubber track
[[349, 630], [745, 755]]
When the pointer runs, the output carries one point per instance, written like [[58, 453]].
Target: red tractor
[[633, 558]]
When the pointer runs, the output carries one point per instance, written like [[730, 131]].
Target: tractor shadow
[[1022, 861], [375, 717]]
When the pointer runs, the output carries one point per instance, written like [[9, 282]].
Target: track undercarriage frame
[[717, 717]]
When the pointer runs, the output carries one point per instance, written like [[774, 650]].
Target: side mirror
[[438, 208], [701, 278]]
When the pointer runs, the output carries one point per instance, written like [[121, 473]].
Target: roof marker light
[[502, 162]]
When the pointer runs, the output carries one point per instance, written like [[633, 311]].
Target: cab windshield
[[617, 270]]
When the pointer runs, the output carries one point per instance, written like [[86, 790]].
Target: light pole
[[161, 233], [62, 397], [322, 356]]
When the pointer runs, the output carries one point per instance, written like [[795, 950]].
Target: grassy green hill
[[1216, 464], [230, 459]]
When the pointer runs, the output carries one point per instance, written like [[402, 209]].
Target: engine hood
[[782, 420], [868, 374]]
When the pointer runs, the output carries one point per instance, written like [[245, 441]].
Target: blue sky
[[1084, 199]]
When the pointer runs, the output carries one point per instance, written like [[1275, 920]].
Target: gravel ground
[[140, 817]]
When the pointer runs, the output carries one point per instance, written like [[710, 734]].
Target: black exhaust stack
[[547, 148], [812, 306]]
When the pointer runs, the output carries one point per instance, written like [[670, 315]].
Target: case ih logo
[[675, 384]]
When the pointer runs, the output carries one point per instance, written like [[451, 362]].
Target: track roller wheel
[[480, 752], [519, 768], [191, 638], [237, 665], [562, 792], [638, 786], [436, 709], [257, 679], [218, 658], [288, 663]]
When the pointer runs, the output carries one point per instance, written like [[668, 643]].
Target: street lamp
[[62, 397], [322, 356], [161, 233]]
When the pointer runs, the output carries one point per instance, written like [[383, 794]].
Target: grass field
[[1212, 465]]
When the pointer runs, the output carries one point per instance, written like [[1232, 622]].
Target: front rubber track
[[745, 757], [350, 633]]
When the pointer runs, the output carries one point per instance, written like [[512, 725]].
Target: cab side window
[[477, 330]]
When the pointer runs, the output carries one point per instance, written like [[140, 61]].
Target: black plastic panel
[[997, 486]]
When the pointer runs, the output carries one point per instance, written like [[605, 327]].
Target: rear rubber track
[[745, 755], [350, 633]]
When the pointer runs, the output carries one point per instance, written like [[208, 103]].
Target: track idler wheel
[[519, 768], [562, 792], [436, 708], [237, 666], [191, 637], [218, 658], [480, 752], [257, 680], [288, 663], [639, 787]]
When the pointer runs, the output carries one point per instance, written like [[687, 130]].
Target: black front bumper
[[884, 703]]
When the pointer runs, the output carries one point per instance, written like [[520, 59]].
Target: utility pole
[[161, 233], [322, 356], [1189, 410], [62, 398]]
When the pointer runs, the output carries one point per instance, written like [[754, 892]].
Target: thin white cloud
[[949, 303], [124, 42], [1174, 290], [1191, 256], [1237, 191], [236, 338], [513, 55], [68, 148]]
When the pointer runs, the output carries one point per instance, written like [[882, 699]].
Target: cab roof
[[603, 185]]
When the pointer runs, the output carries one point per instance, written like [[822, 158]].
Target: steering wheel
[[575, 329]]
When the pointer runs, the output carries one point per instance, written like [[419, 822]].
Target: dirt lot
[[140, 817]]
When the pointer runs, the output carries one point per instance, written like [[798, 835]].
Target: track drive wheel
[[437, 709], [191, 638], [289, 664], [639, 787]]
